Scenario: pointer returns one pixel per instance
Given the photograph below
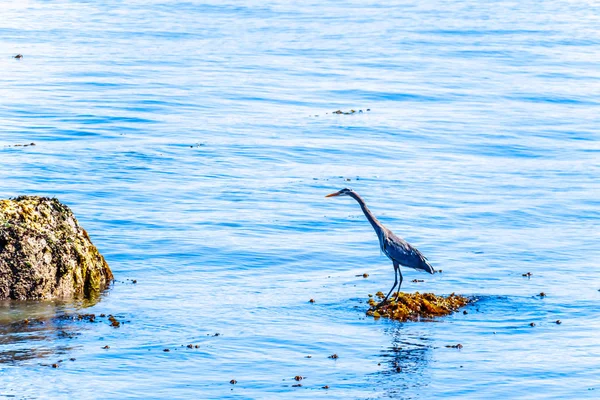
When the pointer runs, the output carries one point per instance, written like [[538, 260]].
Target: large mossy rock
[[417, 306], [45, 254]]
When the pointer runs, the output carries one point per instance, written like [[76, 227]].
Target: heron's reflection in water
[[38, 329], [406, 362]]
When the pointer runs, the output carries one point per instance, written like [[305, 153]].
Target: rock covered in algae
[[415, 306], [45, 253]]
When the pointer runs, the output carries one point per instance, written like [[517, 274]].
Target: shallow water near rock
[[185, 138]]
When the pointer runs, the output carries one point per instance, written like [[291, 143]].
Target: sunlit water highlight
[[195, 142]]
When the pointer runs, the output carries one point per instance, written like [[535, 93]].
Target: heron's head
[[343, 192]]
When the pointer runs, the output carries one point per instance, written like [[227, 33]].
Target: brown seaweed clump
[[45, 253], [412, 307]]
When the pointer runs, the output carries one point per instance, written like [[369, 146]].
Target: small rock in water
[[558, 322], [334, 356], [113, 321], [454, 346], [233, 381], [532, 324], [345, 112]]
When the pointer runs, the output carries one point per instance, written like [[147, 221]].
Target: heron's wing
[[401, 251]]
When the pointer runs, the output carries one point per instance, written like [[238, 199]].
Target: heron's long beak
[[333, 194]]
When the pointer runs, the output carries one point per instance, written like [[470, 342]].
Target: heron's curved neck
[[374, 222]]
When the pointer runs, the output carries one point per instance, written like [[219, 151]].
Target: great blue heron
[[396, 249]]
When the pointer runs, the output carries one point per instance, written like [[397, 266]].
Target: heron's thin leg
[[400, 285], [392, 289]]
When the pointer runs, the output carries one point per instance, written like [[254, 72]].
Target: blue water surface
[[195, 141]]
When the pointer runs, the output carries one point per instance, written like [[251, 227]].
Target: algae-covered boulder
[[45, 254], [407, 306]]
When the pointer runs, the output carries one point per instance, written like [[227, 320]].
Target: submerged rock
[[45, 253], [415, 306]]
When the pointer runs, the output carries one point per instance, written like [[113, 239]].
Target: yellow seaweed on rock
[[45, 253], [414, 306]]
